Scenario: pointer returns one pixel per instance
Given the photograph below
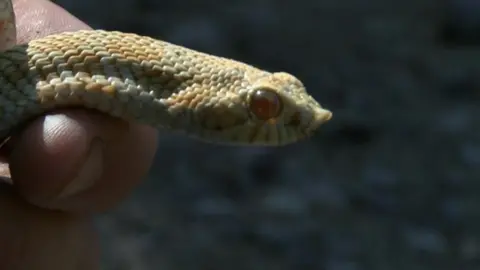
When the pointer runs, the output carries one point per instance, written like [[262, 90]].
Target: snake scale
[[153, 82]]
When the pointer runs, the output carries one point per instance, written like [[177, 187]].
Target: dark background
[[392, 182]]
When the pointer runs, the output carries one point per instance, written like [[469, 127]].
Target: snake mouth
[[273, 132], [270, 133], [275, 135]]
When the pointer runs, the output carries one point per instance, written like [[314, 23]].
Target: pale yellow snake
[[142, 79]]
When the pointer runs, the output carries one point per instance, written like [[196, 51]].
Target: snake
[[153, 82]]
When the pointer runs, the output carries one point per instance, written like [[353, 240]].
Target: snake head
[[247, 107], [260, 108]]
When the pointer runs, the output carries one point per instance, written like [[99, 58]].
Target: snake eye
[[265, 104]]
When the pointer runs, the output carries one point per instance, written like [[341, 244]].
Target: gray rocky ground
[[393, 182]]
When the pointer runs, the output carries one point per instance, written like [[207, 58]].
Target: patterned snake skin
[[153, 82]]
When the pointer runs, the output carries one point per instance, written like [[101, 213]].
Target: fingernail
[[89, 173]]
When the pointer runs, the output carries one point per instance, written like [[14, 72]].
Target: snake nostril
[[296, 119]]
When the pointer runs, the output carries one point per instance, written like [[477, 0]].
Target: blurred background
[[392, 182]]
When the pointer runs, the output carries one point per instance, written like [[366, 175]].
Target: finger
[[38, 18], [79, 160], [47, 157]]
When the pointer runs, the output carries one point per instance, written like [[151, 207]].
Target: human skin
[[47, 212]]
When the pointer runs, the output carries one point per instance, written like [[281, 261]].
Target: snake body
[[142, 79]]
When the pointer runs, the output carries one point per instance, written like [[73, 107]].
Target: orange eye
[[265, 104]]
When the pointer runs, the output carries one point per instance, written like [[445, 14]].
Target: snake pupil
[[265, 104]]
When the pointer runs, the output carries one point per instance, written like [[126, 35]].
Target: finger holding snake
[[81, 109], [72, 159]]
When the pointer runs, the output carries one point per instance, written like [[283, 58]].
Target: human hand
[[45, 162]]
